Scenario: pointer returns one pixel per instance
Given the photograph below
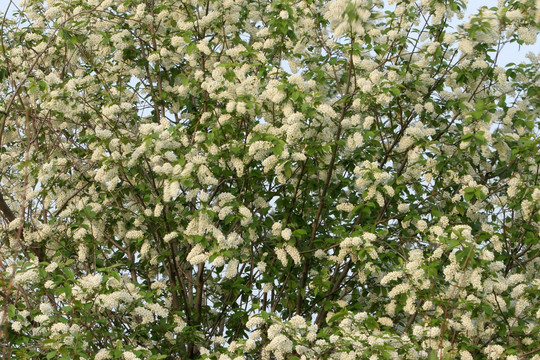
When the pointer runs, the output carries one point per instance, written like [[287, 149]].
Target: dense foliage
[[308, 179]]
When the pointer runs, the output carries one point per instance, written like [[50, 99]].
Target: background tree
[[269, 179]]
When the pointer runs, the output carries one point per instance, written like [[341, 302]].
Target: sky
[[510, 53]]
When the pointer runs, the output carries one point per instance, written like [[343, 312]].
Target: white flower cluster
[[134, 234], [90, 282], [466, 46], [394, 275], [26, 276], [232, 268], [281, 255], [59, 328], [116, 299], [197, 255], [294, 254]]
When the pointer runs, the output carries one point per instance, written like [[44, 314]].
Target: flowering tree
[[308, 179]]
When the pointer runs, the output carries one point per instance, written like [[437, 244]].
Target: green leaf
[[479, 195], [477, 114], [371, 323], [42, 85], [278, 148], [453, 243], [480, 137], [299, 232], [395, 91], [288, 171], [69, 274]]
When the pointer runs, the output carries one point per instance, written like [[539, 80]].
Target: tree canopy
[[307, 179]]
